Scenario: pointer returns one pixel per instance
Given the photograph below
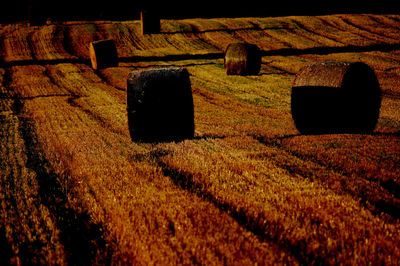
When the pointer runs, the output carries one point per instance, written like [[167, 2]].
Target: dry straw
[[103, 54], [150, 22], [242, 59], [335, 97], [160, 105]]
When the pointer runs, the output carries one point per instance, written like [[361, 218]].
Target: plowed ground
[[247, 189]]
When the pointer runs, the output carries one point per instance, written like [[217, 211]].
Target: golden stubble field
[[248, 189]]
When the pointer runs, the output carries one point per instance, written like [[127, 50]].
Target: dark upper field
[[122, 10]]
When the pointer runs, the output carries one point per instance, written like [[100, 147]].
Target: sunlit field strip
[[31, 81], [47, 43], [387, 22], [332, 30], [382, 25], [352, 23], [15, 43]]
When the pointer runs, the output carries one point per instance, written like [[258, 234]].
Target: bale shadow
[[330, 110]]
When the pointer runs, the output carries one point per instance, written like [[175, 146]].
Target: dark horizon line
[[100, 12]]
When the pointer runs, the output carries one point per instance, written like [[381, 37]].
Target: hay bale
[[335, 97], [242, 59], [103, 54], [160, 105], [150, 22]]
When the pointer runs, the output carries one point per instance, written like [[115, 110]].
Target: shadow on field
[[81, 238], [5, 248]]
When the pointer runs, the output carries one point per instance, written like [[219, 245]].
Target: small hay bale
[[103, 54], [150, 22], [160, 105], [335, 97], [242, 59]]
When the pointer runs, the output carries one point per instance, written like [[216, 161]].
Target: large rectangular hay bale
[[160, 105], [103, 54]]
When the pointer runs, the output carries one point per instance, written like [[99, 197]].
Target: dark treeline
[[15, 11]]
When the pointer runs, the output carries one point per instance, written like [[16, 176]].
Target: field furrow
[[47, 44], [30, 82], [370, 25], [15, 44], [29, 230], [343, 24]]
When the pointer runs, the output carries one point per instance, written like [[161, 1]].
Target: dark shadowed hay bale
[[150, 22], [242, 59], [103, 54], [335, 97], [160, 105]]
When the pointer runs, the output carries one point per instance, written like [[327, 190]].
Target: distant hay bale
[[103, 54], [335, 97], [160, 105], [242, 59], [150, 22]]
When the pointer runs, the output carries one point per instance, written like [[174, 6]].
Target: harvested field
[[247, 189]]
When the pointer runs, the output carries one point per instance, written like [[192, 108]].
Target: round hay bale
[[103, 54], [335, 97], [242, 59], [160, 105], [150, 22]]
